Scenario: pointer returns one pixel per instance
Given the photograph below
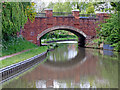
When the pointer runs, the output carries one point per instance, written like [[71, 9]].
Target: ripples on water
[[71, 67]]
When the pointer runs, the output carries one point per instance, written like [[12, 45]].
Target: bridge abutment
[[39, 42]]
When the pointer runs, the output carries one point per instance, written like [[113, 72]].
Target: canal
[[69, 66]]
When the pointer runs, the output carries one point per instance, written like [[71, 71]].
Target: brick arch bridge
[[83, 27]]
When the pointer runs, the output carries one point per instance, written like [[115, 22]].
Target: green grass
[[23, 56], [15, 45]]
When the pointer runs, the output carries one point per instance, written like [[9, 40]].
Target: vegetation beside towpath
[[109, 32], [14, 16], [16, 44]]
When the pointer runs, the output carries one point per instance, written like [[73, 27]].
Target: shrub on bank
[[15, 44], [110, 32]]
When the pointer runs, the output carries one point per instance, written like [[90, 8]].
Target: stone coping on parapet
[[76, 10]]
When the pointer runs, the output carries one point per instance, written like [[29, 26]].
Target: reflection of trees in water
[[58, 54], [20, 83], [63, 53], [79, 58], [72, 84], [108, 69]]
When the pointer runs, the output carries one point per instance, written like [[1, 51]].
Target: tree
[[58, 7], [90, 8], [14, 16], [110, 31], [51, 5], [30, 12], [67, 7], [61, 7]]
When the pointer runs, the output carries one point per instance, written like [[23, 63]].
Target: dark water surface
[[71, 67]]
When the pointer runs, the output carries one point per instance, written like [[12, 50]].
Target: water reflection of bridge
[[73, 70]]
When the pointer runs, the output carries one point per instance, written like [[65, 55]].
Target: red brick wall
[[86, 25]]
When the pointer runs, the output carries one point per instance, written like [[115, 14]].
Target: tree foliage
[[116, 5], [71, 5], [51, 5], [110, 31], [14, 16], [90, 8], [58, 7], [62, 7], [30, 12]]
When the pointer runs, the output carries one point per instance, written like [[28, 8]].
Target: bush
[[15, 44], [110, 32]]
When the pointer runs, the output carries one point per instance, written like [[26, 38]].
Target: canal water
[[69, 66]]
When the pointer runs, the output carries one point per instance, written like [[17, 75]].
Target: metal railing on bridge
[[87, 16], [68, 14], [41, 15], [62, 14]]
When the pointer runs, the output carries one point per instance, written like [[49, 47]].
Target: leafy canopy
[[110, 31], [14, 16]]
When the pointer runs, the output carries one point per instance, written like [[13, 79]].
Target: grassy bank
[[23, 56], [14, 45]]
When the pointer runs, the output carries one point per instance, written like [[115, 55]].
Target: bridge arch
[[81, 35]]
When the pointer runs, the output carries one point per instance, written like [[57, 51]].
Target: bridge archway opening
[[58, 35], [81, 35]]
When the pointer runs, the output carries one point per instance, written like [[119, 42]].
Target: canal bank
[[97, 43]]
